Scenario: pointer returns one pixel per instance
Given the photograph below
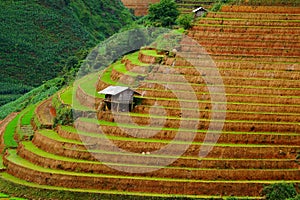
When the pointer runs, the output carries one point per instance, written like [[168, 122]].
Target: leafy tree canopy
[[185, 20], [280, 191], [163, 13]]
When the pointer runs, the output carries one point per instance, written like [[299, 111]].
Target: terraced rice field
[[140, 7], [258, 61], [187, 6]]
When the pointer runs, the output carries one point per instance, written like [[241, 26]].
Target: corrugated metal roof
[[199, 9], [113, 90]]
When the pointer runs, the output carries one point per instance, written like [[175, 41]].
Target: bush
[[279, 191], [64, 113], [185, 20], [163, 13]]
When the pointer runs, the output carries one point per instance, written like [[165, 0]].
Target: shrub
[[279, 191], [185, 21], [10, 132], [64, 113]]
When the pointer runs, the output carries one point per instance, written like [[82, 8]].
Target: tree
[[280, 191], [163, 13], [185, 21]]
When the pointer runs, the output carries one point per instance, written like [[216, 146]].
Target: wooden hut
[[119, 98], [199, 11]]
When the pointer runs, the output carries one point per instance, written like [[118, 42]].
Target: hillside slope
[[37, 37], [256, 126]]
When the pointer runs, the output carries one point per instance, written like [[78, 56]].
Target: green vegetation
[[280, 191], [66, 95], [64, 113], [11, 90], [24, 129], [40, 39], [9, 133], [185, 20], [163, 13], [65, 99], [34, 96], [26, 118]]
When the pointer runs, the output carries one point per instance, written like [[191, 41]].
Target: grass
[[120, 67], [2, 195], [68, 98], [134, 59], [1, 163], [24, 121], [105, 77], [150, 53], [26, 118], [10, 132], [54, 136], [88, 84], [66, 95]]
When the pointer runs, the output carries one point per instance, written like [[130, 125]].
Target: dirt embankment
[[246, 151], [151, 160], [183, 173], [43, 113], [134, 185], [262, 9]]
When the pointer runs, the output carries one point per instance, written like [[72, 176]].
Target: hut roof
[[199, 9], [113, 90]]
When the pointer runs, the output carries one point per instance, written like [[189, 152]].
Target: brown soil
[[253, 16], [204, 174], [86, 100], [134, 185], [244, 151], [43, 113], [262, 9]]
